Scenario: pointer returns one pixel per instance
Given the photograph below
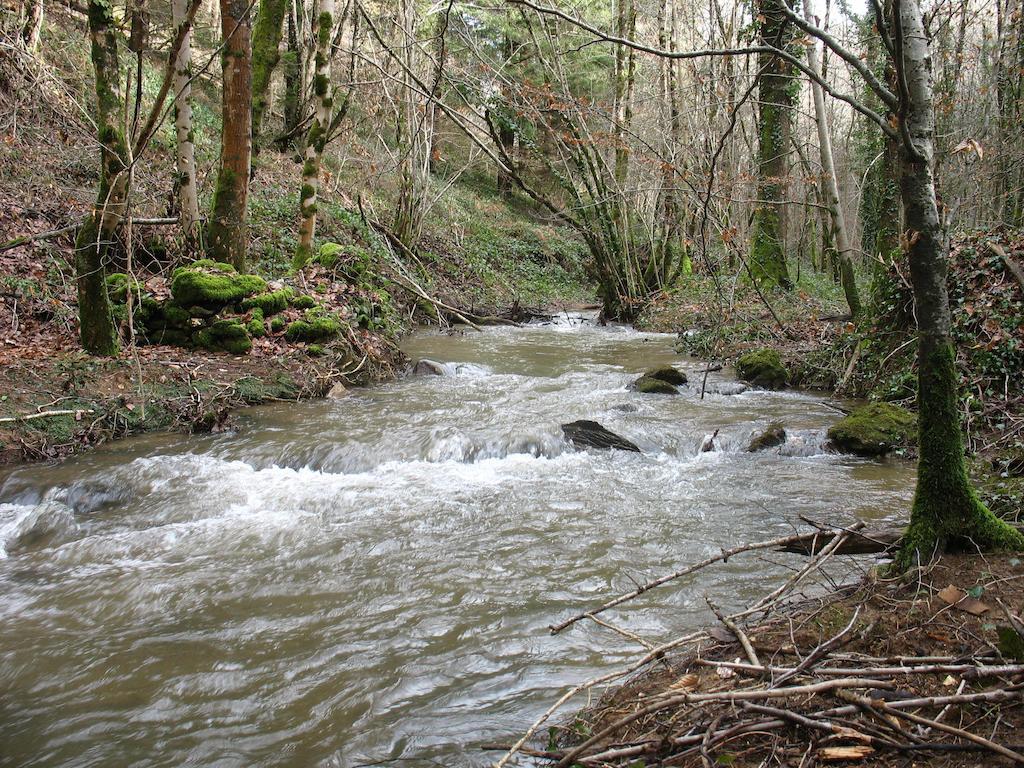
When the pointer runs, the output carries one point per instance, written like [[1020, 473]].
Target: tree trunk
[[228, 236], [316, 139], [506, 133], [185, 156], [946, 510], [266, 43], [777, 90], [98, 234], [831, 183], [33, 26]]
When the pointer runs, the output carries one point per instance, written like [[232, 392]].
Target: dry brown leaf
[[959, 599], [689, 682]]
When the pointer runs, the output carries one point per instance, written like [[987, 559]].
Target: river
[[370, 579]]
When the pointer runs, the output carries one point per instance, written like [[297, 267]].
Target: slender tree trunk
[[98, 234], [266, 43], [777, 91], [946, 510], [831, 182], [316, 139], [33, 26], [185, 155], [506, 133], [228, 235], [291, 64]]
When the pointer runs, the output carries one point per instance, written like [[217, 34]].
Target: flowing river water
[[370, 579]]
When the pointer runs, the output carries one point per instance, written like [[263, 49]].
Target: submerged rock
[[649, 385], [763, 368], [667, 374], [874, 429], [774, 435], [625, 408], [337, 392], [590, 434], [428, 368], [726, 388]]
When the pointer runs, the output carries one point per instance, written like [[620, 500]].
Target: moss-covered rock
[[351, 261], [314, 327], [763, 368], [315, 350], [277, 324], [667, 374], [303, 302], [651, 386], [874, 430], [256, 327], [225, 335], [211, 286], [270, 303], [118, 284], [773, 435]]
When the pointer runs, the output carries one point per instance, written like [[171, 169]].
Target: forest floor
[[925, 669]]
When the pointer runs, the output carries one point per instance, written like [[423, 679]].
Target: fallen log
[[858, 543]]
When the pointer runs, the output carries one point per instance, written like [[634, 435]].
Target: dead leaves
[[964, 601]]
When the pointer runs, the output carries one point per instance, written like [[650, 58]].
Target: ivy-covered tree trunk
[[316, 139], [777, 90], [946, 511], [185, 152], [228, 233], [98, 234], [266, 44]]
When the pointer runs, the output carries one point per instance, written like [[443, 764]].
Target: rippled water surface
[[368, 579]]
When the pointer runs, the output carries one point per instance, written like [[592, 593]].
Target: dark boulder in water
[[651, 386], [774, 435], [590, 434], [668, 374], [428, 368]]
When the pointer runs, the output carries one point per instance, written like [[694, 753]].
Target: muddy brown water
[[371, 579]]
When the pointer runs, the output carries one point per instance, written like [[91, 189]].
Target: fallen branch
[[722, 557], [77, 412], [54, 233]]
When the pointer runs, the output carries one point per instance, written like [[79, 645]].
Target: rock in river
[[874, 429], [428, 368], [774, 435], [590, 434]]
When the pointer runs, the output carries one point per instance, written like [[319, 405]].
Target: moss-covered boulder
[[313, 327], [649, 385], [874, 430], [163, 322], [118, 285], [225, 335], [352, 261], [303, 301], [667, 374], [763, 368], [277, 324], [211, 285], [269, 303], [774, 435]]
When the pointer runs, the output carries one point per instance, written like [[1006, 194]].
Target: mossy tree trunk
[[98, 234], [316, 139], [266, 44], [946, 511], [228, 233], [777, 90], [185, 152]]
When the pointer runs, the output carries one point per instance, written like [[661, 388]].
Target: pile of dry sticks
[[783, 682]]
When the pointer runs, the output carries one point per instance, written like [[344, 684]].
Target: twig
[[44, 414]]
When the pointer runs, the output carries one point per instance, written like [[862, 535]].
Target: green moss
[[650, 385], [212, 287], [314, 327], [118, 285], [773, 435], [269, 303], [225, 335], [667, 374], [303, 302], [947, 512], [256, 327], [315, 350], [874, 430], [763, 368], [277, 324]]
